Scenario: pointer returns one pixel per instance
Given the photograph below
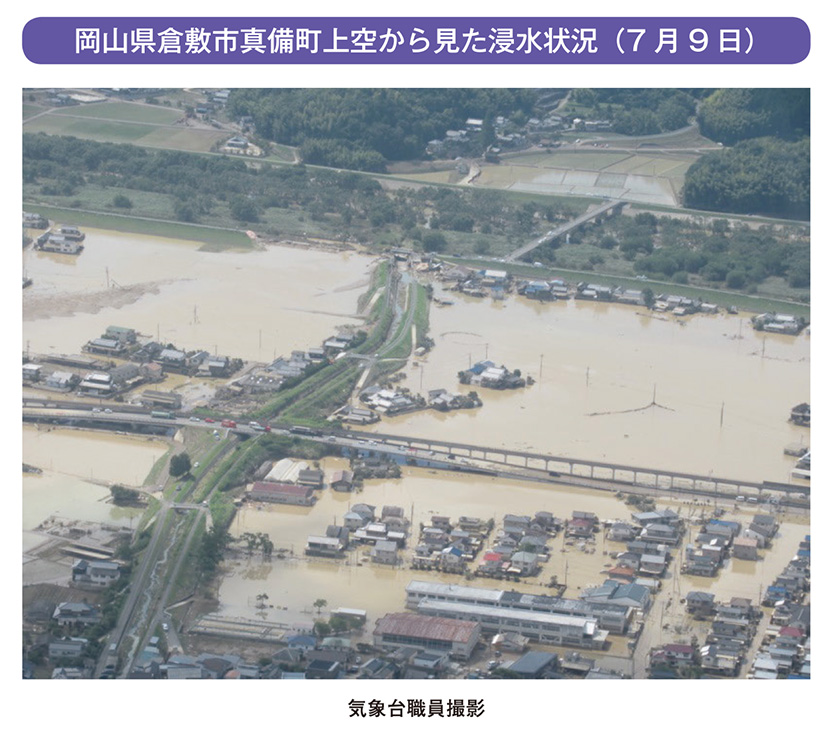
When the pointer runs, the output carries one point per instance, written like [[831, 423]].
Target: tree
[[434, 242], [321, 628], [120, 201], [180, 465], [319, 604], [648, 297], [122, 495], [243, 209], [338, 624]]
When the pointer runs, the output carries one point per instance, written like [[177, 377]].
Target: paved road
[[564, 229]]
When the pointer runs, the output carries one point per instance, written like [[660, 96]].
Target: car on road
[[165, 627], [107, 410], [210, 420], [196, 419], [96, 410]]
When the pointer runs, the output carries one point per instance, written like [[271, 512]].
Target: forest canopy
[[364, 128]]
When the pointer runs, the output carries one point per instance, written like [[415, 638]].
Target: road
[[564, 229]]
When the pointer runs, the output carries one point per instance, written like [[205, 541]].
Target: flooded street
[[597, 365], [253, 305], [704, 394], [294, 583]]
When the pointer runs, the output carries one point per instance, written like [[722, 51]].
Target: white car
[[164, 626]]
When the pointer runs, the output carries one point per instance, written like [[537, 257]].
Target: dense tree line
[[198, 185], [641, 111], [738, 258], [762, 176], [732, 115], [363, 128]]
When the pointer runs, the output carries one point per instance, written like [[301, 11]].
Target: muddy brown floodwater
[[78, 468], [595, 362], [254, 305], [598, 369]]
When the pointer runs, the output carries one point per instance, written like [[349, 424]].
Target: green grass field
[[101, 130], [122, 131], [175, 230], [29, 110], [124, 112]]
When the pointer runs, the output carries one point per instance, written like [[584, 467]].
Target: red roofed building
[[623, 573], [285, 494], [579, 528], [791, 632], [454, 636]]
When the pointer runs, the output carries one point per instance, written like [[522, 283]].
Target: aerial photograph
[[376, 383]]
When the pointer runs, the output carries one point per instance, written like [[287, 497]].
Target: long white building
[[607, 616], [553, 629]]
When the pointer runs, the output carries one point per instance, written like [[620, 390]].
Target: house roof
[[533, 662], [291, 490], [419, 625]]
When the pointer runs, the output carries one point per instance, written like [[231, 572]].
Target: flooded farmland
[[254, 305], [721, 406], [78, 468], [704, 394]]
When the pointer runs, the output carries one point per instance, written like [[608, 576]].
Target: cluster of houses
[[778, 323], [391, 402], [721, 539], [791, 586], [449, 547], [34, 221], [477, 283], [481, 283], [649, 543], [377, 401], [286, 372], [288, 482], [65, 240], [387, 534], [732, 630], [733, 627], [785, 651], [520, 546], [488, 374], [147, 363]]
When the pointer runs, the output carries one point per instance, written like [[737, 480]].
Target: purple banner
[[416, 40]]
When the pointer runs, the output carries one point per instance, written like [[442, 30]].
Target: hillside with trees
[[362, 129], [768, 169]]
